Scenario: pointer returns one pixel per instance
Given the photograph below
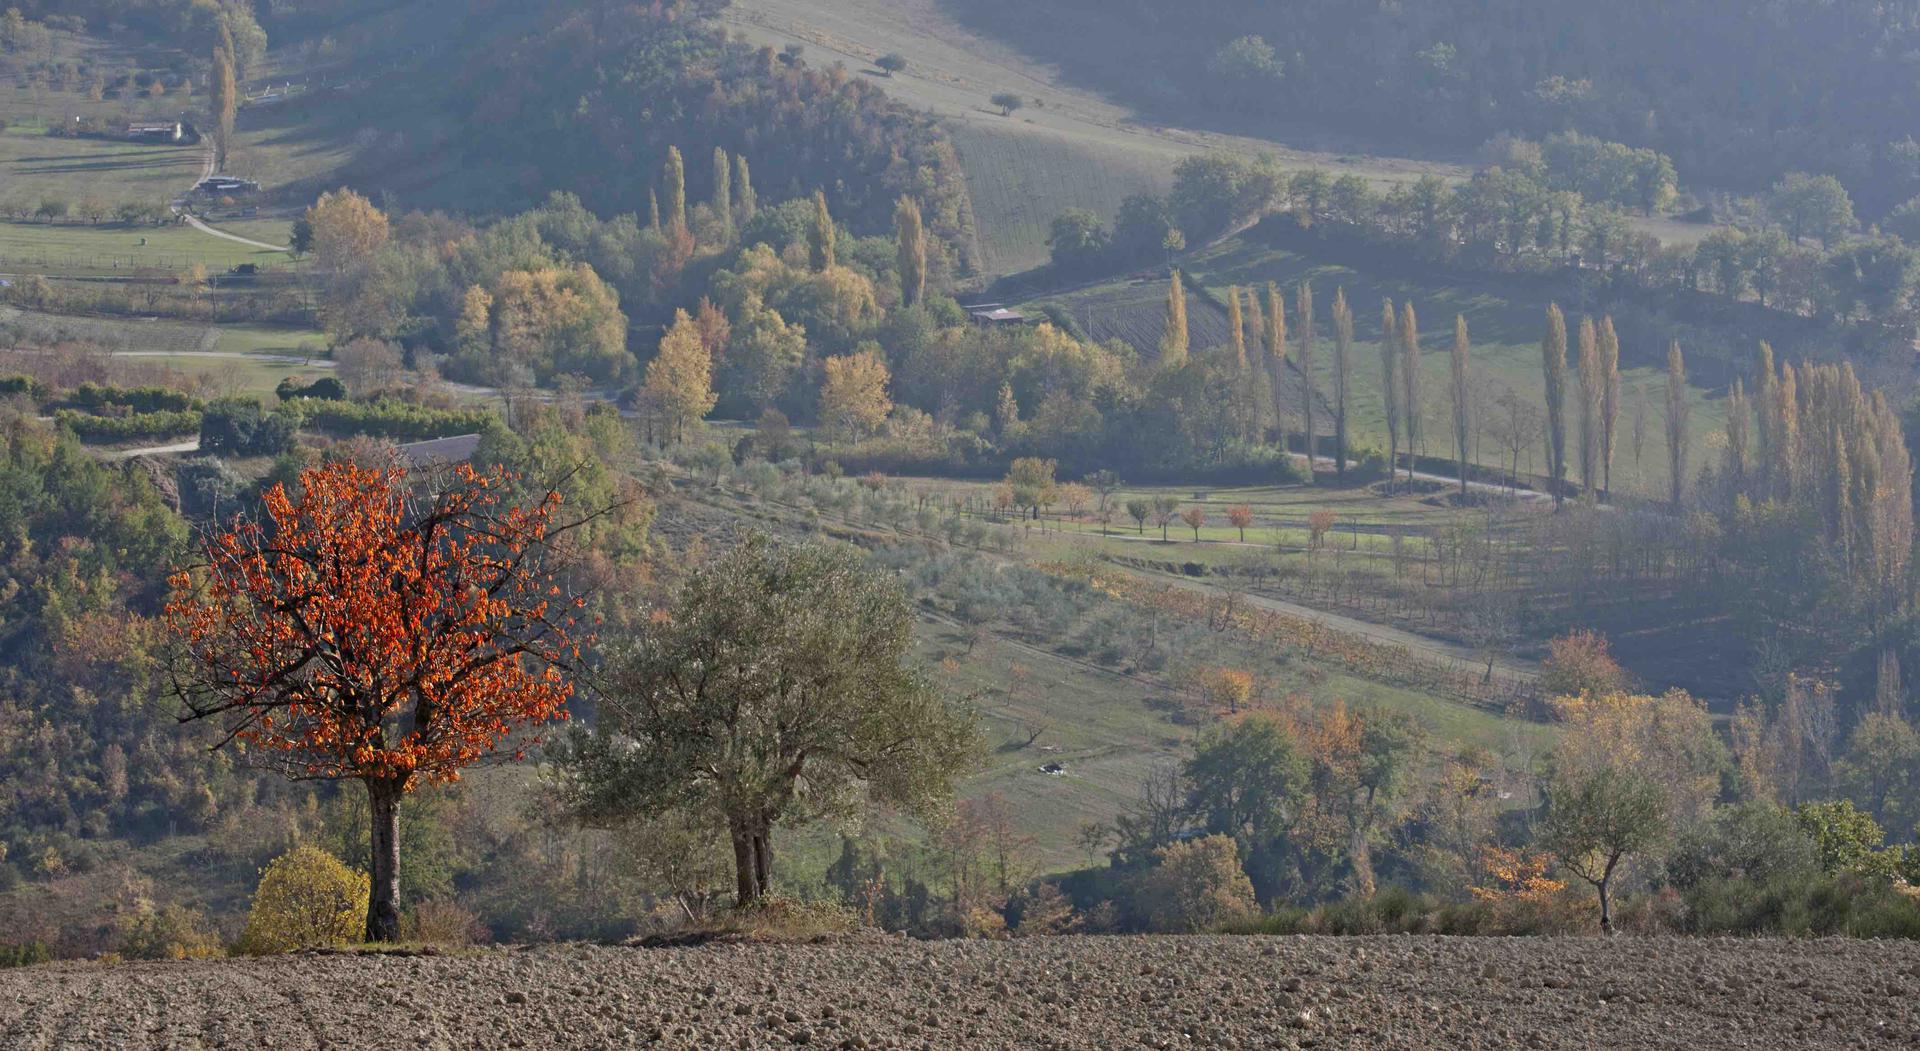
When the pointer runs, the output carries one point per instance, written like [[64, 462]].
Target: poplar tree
[[1409, 332], [1277, 358], [675, 177], [1587, 371], [653, 209], [1390, 384], [1173, 339], [1461, 402], [1342, 378], [723, 192], [911, 233], [1609, 401], [226, 104], [1763, 419], [745, 204], [1303, 311], [1236, 329], [1783, 469], [1738, 453], [821, 236], [1262, 368], [1677, 410], [1553, 361]]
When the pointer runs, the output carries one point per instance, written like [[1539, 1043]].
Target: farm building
[[993, 314]]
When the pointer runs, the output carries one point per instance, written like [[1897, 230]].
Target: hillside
[[1061, 993]]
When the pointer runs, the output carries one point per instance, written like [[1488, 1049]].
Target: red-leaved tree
[[380, 627]]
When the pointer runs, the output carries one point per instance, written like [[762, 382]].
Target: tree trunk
[[752, 859], [1606, 908], [383, 904]]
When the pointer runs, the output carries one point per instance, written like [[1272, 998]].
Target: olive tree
[[1599, 814], [776, 690]]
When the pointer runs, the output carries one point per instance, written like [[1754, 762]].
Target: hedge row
[[387, 419], [89, 427]]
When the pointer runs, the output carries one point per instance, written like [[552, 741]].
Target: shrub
[[97, 396], [786, 919], [175, 932], [387, 419], [442, 922], [88, 427], [305, 897], [25, 954], [326, 388], [240, 427], [1196, 886]]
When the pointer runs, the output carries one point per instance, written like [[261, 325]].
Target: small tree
[[1007, 102], [1138, 510], [890, 63], [1194, 517], [1165, 508], [378, 629], [1598, 815], [1196, 886], [776, 690], [1241, 516]]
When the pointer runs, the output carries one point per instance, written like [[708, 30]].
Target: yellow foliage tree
[[305, 897], [853, 399], [679, 384]]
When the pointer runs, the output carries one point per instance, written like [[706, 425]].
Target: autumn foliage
[[377, 629]]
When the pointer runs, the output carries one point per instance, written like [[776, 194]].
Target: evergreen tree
[[1677, 410], [1303, 311], [1461, 397], [1173, 339], [911, 235], [723, 191], [674, 175], [821, 236], [1342, 378], [1390, 386], [745, 204], [1553, 360]]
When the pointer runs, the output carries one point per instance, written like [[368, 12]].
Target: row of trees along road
[[395, 630]]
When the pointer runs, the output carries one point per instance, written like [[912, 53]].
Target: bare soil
[[1202, 992]]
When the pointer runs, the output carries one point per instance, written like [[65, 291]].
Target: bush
[[175, 932], [442, 922], [1196, 886], [786, 919], [97, 396], [25, 954], [240, 427], [326, 388], [26, 385], [386, 418], [88, 427], [305, 897]]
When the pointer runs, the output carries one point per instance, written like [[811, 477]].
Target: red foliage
[[370, 629]]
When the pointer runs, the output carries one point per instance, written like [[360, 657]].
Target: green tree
[[226, 105], [890, 63], [1138, 510], [910, 237], [745, 203], [1597, 816], [1812, 206], [1007, 102], [723, 191], [778, 691], [1677, 411], [674, 175], [1077, 240], [1845, 838], [1390, 386], [1195, 886], [1248, 780], [822, 235]]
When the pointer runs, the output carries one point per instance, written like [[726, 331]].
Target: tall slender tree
[[653, 209], [1277, 358], [674, 176], [1553, 360], [911, 234], [1261, 379], [1236, 329], [1763, 419], [822, 235], [1409, 332], [226, 105], [1173, 338], [745, 203], [1609, 401], [1342, 378], [1784, 471], [1588, 373], [1462, 399], [1303, 313], [1738, 465], [1390, 384], [723, 192], [1677, 410]]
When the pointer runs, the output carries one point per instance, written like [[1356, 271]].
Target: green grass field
[[113, 248], [1505, 328]]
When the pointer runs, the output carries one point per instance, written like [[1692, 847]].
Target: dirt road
[[1056, 993]]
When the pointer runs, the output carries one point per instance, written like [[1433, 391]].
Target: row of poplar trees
[[1274, 355]]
